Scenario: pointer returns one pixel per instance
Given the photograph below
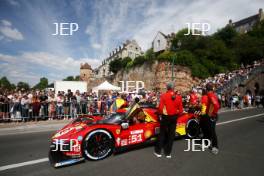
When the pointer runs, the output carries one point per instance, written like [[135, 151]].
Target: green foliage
[[208, 55], [115, 65], [51, 85], [125, 61], [13, 86], [69, 78], [226, 34], [200, 71], [77, 78], [5, 84], [258, 30], [166, 56], [139, 60], [43, 83], [249, 48], [185, 58], [23, 86], [119, 64], [150, 56], [129, 64], [72, 78]]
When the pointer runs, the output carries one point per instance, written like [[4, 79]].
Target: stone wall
[[157, 75], [254, 85]]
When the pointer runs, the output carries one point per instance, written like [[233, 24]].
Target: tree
[[188, 42], [248, 48], [258, 30], [51, 85], [150, 55], [139, 60], [5, 84], [77, 78], [13, 86], [72, 78], [185, 58], [166, 56], [23, 86], [226, 34], [125, 61], [115, 65], [69, 78], [199, 70], [43, 83]]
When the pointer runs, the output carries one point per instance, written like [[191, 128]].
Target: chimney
[[230, 22], [261, 15]]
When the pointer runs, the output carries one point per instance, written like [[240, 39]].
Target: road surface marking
[[12, 166], [234, 110], [243, 118]]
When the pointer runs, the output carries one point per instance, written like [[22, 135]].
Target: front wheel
[[192, 128], [98, 145]]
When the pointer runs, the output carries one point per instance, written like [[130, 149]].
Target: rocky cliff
[[157, 75]]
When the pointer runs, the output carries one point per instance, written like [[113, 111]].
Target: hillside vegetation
[[206, 56]]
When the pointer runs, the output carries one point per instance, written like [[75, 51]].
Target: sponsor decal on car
[[147, 134], [118, 141], [136, 131], [124, 142], [118, 131], [135, 138], [65, 131]]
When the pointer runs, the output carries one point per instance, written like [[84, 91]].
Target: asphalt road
[[241, 153]]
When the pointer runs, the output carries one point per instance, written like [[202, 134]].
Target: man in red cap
[[170, 107]]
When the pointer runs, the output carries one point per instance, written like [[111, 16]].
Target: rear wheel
[[192, 128], [98, 145]]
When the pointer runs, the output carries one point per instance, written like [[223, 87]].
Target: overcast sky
[[28, 50]]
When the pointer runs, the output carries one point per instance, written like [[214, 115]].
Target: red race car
[[95, 138]]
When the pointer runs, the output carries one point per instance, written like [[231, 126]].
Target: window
[[158, 43]]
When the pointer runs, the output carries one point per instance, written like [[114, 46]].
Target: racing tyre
[[192, 128], [98, 145]]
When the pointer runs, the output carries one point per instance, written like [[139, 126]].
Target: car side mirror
[[124, 125]]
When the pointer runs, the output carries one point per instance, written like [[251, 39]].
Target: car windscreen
[[114, 118]]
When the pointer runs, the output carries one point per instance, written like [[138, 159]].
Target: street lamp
[[174, 57]]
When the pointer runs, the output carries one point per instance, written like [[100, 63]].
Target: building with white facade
[[129, 49], [246, 24], [162, 42]]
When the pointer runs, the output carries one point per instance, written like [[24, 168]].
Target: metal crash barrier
[[15, 111]]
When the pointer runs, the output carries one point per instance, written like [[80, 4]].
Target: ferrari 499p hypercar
[[95, 137]]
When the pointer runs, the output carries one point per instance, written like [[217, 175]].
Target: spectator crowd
[[222, 79], [46, 105], [35, 105]]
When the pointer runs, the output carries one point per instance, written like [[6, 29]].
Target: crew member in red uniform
[[193, 98], [170, 107], [210, 107]]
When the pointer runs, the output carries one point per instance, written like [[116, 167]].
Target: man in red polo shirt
[[210, 107], [193, 98], [170, 107]]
